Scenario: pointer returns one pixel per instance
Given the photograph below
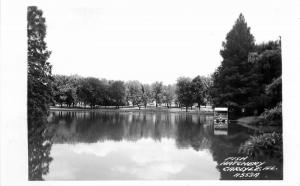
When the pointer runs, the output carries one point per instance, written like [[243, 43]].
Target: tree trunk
[[155, 103], [186, 108]]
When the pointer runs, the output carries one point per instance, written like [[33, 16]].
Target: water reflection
[[218, 132], [39, 147], [220, 128], [112, 145], [92, 127]]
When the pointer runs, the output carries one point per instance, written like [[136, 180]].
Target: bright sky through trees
[[149, 41]]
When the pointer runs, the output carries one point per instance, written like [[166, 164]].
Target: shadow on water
[[188, 131]]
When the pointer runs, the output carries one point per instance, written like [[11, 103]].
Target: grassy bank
[[250, 120], [258, 121]]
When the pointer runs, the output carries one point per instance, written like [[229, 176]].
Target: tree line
[[90, 91]]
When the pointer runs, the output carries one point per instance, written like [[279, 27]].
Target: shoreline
[[250, 120], [149, 110]]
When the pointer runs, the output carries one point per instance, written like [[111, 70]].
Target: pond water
[[137, 145]]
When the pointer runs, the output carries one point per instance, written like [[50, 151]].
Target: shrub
[[269, 144], [274, 114]]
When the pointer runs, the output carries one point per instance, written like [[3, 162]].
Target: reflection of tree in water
[[111, 126], [190, 132], [39, 146], [194, 131], [107, 126], [158, 128], [223, 147], [187, 130]]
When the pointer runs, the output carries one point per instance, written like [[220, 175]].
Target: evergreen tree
[[39, 70], [231, 78], [39, 92]]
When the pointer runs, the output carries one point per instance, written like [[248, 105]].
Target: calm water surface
[[122, 146]]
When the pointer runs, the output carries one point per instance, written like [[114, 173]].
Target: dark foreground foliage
[[268, 144], [273, 115]]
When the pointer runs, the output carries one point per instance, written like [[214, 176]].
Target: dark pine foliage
[[247, 69], [230, 79], [39, 70]]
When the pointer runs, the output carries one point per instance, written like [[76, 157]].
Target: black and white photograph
[[134, 90]]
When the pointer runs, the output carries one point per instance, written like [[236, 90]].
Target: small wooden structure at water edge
[[221, 117]]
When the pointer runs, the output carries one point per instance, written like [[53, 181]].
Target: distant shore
[[135, 109]]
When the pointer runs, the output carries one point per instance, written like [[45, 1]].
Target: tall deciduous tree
[[117, 93], [134, 92], [198, 90], [65, 88], [168, 95], [184, 92], [266, 62], [146, 94], [96, 91], [83, 91], [157, 90], [207, 83]]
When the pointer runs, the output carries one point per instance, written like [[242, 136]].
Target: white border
[[13, 102]]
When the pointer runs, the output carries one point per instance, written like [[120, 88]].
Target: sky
[[157, 40]]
